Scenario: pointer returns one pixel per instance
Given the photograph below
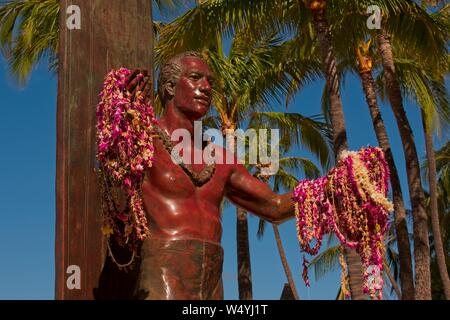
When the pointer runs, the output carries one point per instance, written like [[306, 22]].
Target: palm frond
[[284, 180], [29, 32], [261, 228], [326, 261], [425, 34], [296, 165], [309, 132], [427, 87], [259, 17], [195, 27]]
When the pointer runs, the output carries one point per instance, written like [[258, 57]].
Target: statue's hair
[[170, 73]]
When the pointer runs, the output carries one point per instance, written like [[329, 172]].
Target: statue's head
[[187, 81]]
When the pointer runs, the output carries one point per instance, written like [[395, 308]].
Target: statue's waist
[[192, 229], [177, 243]]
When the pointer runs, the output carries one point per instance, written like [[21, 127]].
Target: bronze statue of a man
[[182, 258]]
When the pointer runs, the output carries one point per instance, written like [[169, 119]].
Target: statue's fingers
[[133, 84], [133, 80], [147, 86], [135, 89], [145, 83], [141, 85], [138, 87], [145, 94], [133, 75], [147, 91]]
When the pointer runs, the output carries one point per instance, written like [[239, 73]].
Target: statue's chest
[[171, 179]]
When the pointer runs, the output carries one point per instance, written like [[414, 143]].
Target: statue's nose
[[205, 86]]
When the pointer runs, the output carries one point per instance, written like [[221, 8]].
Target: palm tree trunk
[[242, 243], [435, 225], [282, 253], [332, 79], [355, 274], [286, 268], [339, 132], [421, 243], [243, 256], [406, 273]]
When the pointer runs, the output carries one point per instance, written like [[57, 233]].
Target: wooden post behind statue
[[112, 34]]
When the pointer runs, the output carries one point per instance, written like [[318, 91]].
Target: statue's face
[[193, 90]]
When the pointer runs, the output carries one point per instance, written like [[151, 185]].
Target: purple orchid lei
[[124, 151], [351, 201]]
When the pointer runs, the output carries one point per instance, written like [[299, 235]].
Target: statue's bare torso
[[176, 208]]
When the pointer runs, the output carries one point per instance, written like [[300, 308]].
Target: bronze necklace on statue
[[198, 179]]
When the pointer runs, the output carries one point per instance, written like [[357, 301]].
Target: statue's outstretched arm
[[255, 196]]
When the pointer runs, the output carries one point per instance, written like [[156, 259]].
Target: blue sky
[[27, 191]]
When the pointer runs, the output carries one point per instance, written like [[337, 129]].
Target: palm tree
[[436, 226], [365, 63], [425, 84], [443, 195], [421, 244], [284, 178], [443, 200], [406, 31], [322, 29], [421, 88]]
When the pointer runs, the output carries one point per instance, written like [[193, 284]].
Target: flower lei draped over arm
[[351, 201], [124, 151]]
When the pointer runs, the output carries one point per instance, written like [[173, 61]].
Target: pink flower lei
[[124, 151], [350, 201]]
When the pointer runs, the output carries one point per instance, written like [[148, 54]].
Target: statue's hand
[[137, 83]]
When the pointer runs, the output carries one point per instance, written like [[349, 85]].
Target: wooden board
[[113, 34]]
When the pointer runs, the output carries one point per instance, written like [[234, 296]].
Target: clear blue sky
[[27, 191]]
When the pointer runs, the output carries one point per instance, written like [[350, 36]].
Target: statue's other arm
[[255, 196]]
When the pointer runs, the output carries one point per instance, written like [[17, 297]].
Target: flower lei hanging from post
[[125, 150], [350, 201]]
